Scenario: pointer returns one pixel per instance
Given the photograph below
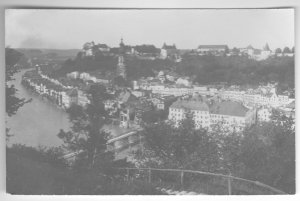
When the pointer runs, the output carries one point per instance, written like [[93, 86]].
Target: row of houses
[[249, 51], [262, 96], [96, 77], [206, 111], [173, 89], [56, 92], [170, 84]]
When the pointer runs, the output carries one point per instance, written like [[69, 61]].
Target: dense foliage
[[268, 153], [83, 64], [183, 147], [145, 68], [203, 69], [238, 70], [264, 152]]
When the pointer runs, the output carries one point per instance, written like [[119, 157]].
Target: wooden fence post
[[149, 175], [181, 178], [229, 185], [140, 139], [127, 174], [129, 144]]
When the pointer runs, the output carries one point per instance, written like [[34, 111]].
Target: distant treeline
[[207, 69], [83, 64], [135, 68], [238, 70]]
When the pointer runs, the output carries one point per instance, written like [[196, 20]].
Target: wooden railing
[[239, 188]]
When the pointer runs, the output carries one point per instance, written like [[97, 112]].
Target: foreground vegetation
[[264, 152], [33, 171]]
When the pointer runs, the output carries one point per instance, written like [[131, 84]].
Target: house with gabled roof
[[169, 51], [232, 115]]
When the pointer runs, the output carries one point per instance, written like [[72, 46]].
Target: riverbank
[[38, 122]]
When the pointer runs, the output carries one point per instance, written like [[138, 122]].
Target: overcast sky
[[67, 29]]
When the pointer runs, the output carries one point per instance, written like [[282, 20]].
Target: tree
[[13, 103], [268, 153], [86, 135], [167, 146], [226, 50], [278, 51], [229, 148], [153, 116], [286, 50]]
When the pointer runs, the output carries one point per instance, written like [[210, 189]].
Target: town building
[[131, 109], [121, 68], [231, 94], [171, 76], [87, 49], [266, 95], [103, 48], [230, 114], [163, 102], [69, 97], [196, 106], [146, 51], [170, 51], [73, 75], [217, 50], [264, 114], [90, 49], [184, 81], [138, 93], [257, 54], [82, 98]]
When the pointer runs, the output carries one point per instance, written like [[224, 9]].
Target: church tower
[[121, 69]]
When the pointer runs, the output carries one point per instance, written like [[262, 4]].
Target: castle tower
[[121, 69]]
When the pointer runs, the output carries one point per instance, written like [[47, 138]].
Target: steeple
[[266, 47], [164, 46], [121, 69], [121, 43], [122, 47]]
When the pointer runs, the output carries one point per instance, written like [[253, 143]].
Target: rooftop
[[165, 46], [190, 105], [228, 108], [213, 46], [146, 49]]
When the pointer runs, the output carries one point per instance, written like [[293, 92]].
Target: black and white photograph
[[150, 101]]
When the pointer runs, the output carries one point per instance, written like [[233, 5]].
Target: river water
[[38, 122]]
